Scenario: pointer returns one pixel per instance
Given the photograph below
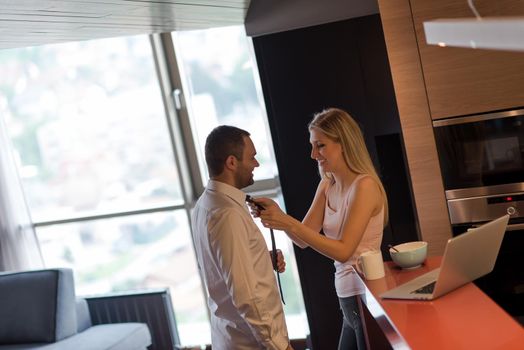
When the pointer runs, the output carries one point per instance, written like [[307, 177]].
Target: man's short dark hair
[[222, 142]]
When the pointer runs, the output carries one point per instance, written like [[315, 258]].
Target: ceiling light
[[496, 33]]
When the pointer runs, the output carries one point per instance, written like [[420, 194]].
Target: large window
[[221, 83], [98, 166], [88, 123]]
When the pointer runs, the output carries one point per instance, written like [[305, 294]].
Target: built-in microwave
[[481, 153]]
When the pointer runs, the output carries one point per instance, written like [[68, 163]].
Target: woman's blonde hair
[[341, 128]]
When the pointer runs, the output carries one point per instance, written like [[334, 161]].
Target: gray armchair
[[39, 310]]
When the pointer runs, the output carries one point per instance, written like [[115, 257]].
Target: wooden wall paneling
[[461, 81], [412, 102]]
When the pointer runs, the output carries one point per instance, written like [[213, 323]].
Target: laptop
[[466, 257]]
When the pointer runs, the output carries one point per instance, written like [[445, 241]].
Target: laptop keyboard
[[427, 289]]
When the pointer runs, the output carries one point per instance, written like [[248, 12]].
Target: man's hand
[[281, 264], [289, 347]]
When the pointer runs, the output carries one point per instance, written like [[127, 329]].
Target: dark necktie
[[273, 248]]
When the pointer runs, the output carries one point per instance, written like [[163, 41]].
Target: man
[[246, 312]]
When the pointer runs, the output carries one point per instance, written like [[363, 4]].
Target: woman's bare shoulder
[[368, 184]]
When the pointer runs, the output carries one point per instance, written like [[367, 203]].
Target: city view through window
[[90, 135]]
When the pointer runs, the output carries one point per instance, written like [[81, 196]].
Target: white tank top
[[346, 280]]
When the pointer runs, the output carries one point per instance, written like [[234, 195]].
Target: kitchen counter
[[465, 318]]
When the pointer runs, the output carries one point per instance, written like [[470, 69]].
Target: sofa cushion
[[117, 336], [83, 317], [37, 306]]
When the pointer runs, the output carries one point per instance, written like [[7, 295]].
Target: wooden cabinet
[[433, 83], [415, 118], [461, 81]]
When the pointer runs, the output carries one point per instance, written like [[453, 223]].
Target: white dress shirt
[[246, 312]]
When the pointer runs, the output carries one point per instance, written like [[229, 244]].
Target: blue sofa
[[39, 310]]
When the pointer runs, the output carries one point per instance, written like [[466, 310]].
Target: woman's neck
[[344, 179]]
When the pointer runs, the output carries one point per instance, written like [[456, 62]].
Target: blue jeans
[[352, 335]]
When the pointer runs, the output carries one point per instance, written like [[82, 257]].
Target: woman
[[350, 206]]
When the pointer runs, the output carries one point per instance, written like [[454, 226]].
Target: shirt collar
[[234, 193]]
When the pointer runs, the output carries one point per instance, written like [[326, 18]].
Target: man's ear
[[231, 162]]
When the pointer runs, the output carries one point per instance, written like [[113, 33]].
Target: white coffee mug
[[370, 265]]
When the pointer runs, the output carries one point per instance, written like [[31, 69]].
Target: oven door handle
[[511, 227], [515, 227]]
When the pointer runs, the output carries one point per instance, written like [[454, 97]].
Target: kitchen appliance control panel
[[479, 209]]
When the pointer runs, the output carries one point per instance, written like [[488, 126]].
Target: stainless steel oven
[[482, 163]]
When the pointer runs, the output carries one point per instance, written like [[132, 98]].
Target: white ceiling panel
[[37, 22], [97, 7], [23, 5], [46, 15]]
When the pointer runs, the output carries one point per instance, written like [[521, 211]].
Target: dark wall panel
[[342, 64]]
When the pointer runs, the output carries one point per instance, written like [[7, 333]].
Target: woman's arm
[[367, 201], [314, 216]]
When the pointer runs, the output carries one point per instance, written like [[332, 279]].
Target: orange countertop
[[465, 318]]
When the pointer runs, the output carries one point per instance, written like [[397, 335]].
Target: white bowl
[[410, 255]]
